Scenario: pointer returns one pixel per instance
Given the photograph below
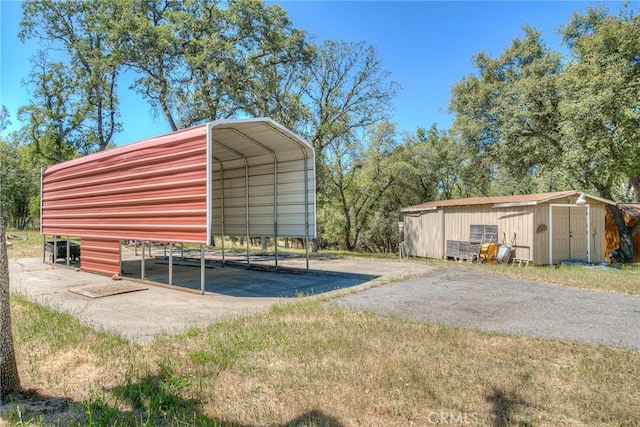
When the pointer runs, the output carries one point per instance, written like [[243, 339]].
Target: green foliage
[[601, 94], [507, 114], [82, 90], [547, 125], [200, 61], [57, 112], [360, 176], [19, 185], [554, 125]]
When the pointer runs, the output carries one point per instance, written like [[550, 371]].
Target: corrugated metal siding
[[426, 233], [100, 256], [290, 201], [246, 157], [423, 234], [152, 190], [509, 221]]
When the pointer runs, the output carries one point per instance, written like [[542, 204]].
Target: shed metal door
[[578, 233], [569, 233]]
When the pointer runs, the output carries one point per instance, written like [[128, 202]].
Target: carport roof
[[254, 140], [502, 201]]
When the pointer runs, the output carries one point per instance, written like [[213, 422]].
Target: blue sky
[[427, 45]]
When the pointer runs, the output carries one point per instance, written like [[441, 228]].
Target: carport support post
[[44, 248], [55, 249], [171, 263], [68, 251], [222, 209], [246, 203], [142, 263], [202, 270]]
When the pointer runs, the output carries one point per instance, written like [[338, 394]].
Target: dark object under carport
[[63, 249]]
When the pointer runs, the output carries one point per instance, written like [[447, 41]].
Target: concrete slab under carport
[[237, 280], [140, 316]]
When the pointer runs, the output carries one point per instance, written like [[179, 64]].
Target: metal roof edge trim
[[131, 146], [600, 199], [554, 196], [514, 204], [558, 196], [209, 184], [270, 122], [411, 210]]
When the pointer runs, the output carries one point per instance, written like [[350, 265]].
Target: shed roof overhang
[[504, 201]]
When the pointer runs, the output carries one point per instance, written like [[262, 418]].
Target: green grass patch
[[623, 279]]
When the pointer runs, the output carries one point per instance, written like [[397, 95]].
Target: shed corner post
[[443, 239], [588, 233], [550, 234]]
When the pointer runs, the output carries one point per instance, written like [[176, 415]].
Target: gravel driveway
[[476, 299]]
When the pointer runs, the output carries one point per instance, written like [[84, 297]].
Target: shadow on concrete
[[235, 279]]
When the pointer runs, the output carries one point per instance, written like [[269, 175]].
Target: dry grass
[[313, 363], [623, 279], [24, 243]]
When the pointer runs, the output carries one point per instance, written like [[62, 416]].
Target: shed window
[[483, 233]]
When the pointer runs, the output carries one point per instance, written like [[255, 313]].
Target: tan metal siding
[[509, 221], [152, 190], [423, 234], [290, 188], [413, 235], [541, 229]]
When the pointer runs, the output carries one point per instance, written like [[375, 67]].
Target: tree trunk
[[635, 183], [624, 232], [9, 380]]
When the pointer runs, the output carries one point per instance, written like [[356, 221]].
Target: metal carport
[[249, 177]]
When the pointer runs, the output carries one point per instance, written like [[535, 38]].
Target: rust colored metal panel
[[100, 256], [154, 190]]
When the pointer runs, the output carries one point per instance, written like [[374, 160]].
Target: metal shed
[[249, 177], [543, 228]]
